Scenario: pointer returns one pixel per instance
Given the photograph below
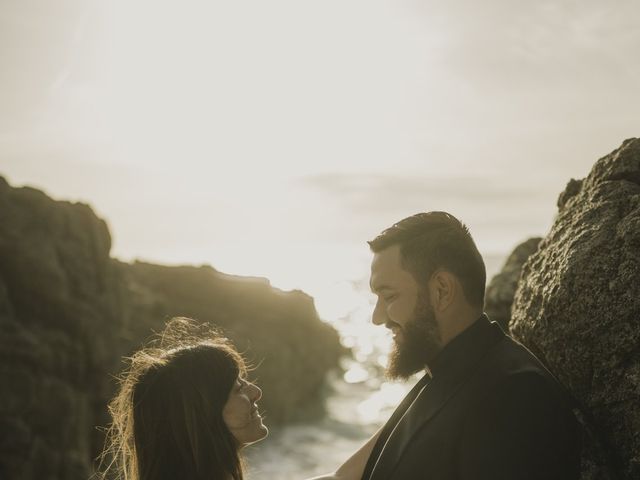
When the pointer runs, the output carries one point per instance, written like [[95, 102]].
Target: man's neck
[[456, 322]]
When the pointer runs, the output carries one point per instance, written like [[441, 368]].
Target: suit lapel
[[392, 422], [429, 401]]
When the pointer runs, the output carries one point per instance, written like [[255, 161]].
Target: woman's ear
[[442, 290]]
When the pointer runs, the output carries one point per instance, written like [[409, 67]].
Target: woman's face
[[241, 415]]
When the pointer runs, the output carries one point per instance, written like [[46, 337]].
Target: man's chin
[[415, 344], [402, 366], [393, 373]]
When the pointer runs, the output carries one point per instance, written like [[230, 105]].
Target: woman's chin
[[264, 432], [260, 434]]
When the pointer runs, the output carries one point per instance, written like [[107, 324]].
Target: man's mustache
[[391, 325]]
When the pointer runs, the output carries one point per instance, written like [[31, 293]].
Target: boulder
[[577, 307], [57, 306]]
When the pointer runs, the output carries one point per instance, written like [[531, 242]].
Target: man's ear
[[443, 289]]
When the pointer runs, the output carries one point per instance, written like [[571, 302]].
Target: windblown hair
[[167, 415], [437, 240]]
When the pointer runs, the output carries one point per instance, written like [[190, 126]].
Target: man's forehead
[[384, 267], [386, 259]]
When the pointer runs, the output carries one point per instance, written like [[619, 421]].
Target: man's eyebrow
[[380, 288]]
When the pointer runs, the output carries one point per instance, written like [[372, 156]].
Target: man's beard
[[418, 343]]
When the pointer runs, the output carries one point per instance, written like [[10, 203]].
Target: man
[[486, 408]]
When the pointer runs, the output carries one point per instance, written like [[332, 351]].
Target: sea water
[[354, 412]]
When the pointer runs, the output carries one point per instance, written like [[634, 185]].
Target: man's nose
[[379, 316]]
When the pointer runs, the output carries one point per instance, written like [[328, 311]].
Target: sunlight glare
[[356, 374], [381, 401]]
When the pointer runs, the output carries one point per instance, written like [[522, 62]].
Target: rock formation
[[69, 312], [577, 306], [500, 291]]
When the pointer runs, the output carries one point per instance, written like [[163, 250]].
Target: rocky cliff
[[577, 306], [69, 312]]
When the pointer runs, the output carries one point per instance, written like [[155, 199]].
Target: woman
[[185, 410]]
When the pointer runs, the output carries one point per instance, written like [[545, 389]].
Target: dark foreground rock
[[502, 288], [69, 312], [578, 307]]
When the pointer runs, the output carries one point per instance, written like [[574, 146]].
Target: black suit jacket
[[491, 411]]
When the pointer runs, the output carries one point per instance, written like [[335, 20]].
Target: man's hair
[[437, 240]]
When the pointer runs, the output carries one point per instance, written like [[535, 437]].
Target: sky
[[275, 138]]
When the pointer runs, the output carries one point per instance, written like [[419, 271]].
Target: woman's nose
[[256, 393]]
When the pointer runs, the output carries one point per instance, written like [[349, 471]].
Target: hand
[[353, 468]]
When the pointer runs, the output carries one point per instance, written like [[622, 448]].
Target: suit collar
[[473, 341], [454, 365]]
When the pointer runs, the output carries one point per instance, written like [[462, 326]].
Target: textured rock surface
[[500, 291], [58, 310], [578, 307], [68, 312]]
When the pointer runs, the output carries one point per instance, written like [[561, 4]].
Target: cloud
[[368, 199], [538, 45], [500, 212], [393, 191]]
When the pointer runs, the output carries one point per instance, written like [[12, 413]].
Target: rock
[[69, 313], [571, 190], [500, 291], [57, 303], [577, 307]]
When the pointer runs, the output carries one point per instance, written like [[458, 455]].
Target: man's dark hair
[[433, 240]]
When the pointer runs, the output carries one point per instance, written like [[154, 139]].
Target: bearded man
[[486, 409]]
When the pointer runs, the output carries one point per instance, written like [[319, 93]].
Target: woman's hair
[[167, 414]]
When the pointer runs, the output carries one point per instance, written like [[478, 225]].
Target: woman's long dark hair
[[167, 415]]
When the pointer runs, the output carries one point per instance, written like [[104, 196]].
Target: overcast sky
[[274, 138]]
